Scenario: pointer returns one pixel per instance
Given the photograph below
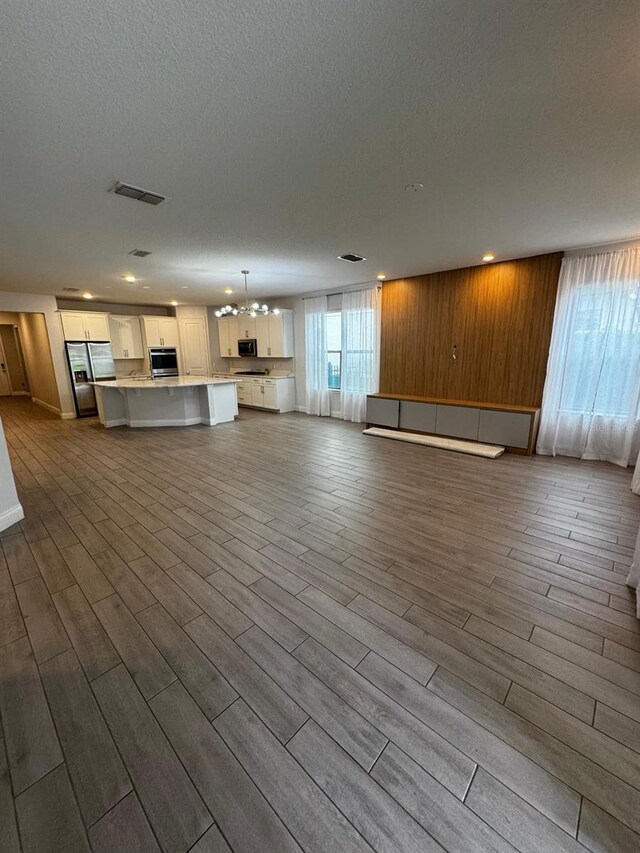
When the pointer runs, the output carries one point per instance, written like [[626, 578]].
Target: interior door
[[5, 386], [194, 348]]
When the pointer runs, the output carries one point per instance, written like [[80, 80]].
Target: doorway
[[13, 374]]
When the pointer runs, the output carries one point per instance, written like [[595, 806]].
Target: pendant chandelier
[[246, 310]]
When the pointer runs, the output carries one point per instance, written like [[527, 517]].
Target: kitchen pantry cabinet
[[194, 345], [126, 336], [160, 331], [85, 326]]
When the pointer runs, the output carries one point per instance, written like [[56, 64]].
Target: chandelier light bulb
[[246, 309]]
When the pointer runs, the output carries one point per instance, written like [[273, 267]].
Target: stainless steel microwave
[[248, 346]]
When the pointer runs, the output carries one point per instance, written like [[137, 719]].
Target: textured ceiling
[[283, 133]]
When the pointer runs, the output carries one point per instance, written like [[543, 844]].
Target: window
[[334, 350], [602, 350]]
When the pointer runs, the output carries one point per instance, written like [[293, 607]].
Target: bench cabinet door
[[381, 412], [417, 416], [457, 421], [508, 428]]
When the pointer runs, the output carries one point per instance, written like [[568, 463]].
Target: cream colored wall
[[10, 508], [37, 356], [35, 302]]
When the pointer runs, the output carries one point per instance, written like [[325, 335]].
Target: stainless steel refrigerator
[[88, 362]]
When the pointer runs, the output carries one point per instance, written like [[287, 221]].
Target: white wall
[[39, 304], [10, 507]]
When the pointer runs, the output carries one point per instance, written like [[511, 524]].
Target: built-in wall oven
[[248, 346], [163, 361]]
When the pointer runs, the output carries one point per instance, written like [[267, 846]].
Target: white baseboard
[[302, 409], [11, 516], [20, 394], [44, 405], [68, 416]]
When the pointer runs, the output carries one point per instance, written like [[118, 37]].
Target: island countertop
[[169, 401], [164, 382]]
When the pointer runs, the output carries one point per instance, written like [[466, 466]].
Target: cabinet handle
[[269, 350]]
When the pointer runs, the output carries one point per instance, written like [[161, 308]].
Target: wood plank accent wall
[[499, 317]]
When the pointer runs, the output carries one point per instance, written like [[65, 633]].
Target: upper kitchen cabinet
[[228, 337], [126, 336], [160, 331], [246, 326], [274, 335], [85, 326]]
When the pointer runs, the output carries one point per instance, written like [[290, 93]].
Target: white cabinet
[[261, 392], [194, 345], [126, 336], [160, 331], [246, 327], [228, 337], [280, 335], [262, 335], [85, 326], [273, 334]]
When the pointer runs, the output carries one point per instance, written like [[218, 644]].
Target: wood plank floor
[[280, 635]]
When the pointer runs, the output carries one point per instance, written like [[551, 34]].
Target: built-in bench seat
[[514, 427]]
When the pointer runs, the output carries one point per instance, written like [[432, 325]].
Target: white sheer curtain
[[634, 574], [360, 351], [591, 402], [316, 361]]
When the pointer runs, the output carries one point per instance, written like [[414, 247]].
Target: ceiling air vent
[[71, 289], [139, 253], [353, 259], [136, 192]]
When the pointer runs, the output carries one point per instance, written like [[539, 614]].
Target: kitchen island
[[171, 401]]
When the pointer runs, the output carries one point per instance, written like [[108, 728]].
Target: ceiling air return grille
[[137, 193], [139, 253], [353, 259]]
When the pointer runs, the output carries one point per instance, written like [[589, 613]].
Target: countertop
[[240, 376], [165, 382]]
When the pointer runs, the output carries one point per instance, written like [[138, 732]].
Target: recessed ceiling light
[[130, 278], [145, 287], [87, 296], [228, 290], [488, 256], [381, 277], [414, 188], [173, 302], [185, 287]]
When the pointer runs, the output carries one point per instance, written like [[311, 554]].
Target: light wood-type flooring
[[281, 635]]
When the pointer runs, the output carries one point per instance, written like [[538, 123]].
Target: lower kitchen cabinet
[[277, 394]]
